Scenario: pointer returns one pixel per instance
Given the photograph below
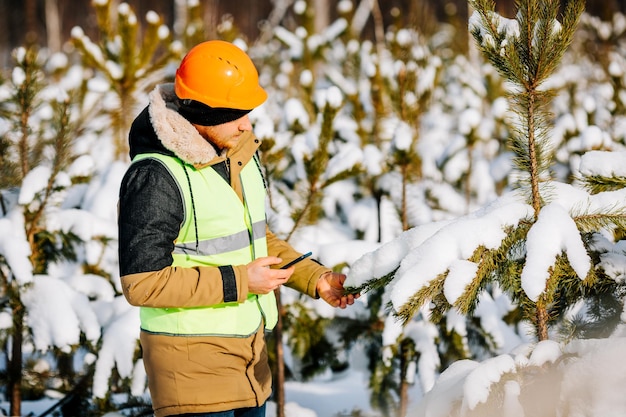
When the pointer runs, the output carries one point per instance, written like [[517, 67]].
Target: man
[[195, 252]]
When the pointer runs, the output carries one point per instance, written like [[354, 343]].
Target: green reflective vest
[[229, 232]]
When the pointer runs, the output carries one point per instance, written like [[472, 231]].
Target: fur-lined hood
[[160, 128], [174, 131]]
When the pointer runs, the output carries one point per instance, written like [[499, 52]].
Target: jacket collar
[[179, 136]]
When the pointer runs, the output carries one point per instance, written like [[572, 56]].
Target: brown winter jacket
[[194, 374]]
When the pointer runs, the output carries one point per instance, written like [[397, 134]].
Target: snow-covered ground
[[588, 383], [582, 378]]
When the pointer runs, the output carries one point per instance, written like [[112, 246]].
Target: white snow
[[478, 382], [554, 232], [65, 302], [58, 314]]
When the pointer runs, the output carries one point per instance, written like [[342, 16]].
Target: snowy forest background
[[490, 274]]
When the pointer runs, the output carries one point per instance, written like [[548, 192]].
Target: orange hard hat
[[219, 74]]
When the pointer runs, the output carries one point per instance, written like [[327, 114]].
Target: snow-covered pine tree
[[131, 57], [61, 279], [605, 300], [526, 52], [548, 377], [302, 159], [410, 75], [386, 91], [590, 110], [440, 268], [405, 78], [524, 59], [347, 65], [37, 152], [588, 115]]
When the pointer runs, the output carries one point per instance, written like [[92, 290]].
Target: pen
[[295, 261]]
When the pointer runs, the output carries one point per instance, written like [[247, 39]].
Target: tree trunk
[[407, 354], [211, 18], [404, 398], [53, 26], [14, 366], [321, 15], [31, 36], [542, 322], [404, 208], [506, 8], [279, 383], [5, 44], [180, 19]]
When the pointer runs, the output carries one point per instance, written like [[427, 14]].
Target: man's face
[[226, 135]]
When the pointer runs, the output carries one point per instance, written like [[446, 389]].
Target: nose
[[245, 124]]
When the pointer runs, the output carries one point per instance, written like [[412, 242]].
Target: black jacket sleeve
[[151, 213]]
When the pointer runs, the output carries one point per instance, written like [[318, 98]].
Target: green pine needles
[[130, 56], [526, 51]]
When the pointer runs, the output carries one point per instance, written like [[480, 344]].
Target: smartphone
[[295, 261]]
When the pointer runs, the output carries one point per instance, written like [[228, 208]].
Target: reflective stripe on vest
[[229, 233]]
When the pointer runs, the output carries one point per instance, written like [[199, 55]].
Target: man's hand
[[330, 289], [262, 279]]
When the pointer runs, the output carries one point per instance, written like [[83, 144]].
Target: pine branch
[[128, 61], [26, 103], [609, 219], [487, 265], [500, 264], [373, 284], [425, 294], [526, 54], [597, 183], [508, 261], [343, 175]]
